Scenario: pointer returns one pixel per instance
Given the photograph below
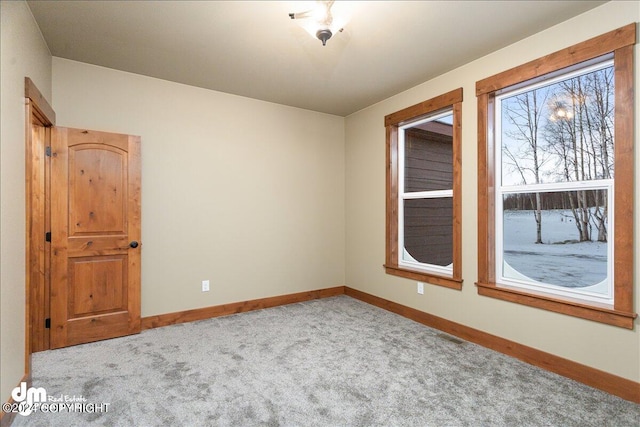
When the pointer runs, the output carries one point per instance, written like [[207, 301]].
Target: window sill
[[421, 276], [596, 312]]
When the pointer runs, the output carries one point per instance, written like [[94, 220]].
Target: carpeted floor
[[330, 362]]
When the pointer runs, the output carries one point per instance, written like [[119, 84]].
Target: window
[[555, 210], [423, 191], [555, 152]]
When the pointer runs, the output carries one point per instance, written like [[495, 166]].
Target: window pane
[[429, 156], [564, 244], [560, 132], [428, 231]]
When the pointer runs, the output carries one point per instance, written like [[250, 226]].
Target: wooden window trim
[[619, 42], [453, 100]]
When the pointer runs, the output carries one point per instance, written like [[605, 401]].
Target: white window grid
[[402, 196], [603, 184]]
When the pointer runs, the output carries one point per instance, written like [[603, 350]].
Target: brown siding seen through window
[[428, 160], [428, 223], [428, 230]]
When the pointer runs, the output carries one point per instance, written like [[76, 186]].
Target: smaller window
[[425, 194], [423, 191]]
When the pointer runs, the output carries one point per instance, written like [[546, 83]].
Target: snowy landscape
[[561, 260], [558, 135]]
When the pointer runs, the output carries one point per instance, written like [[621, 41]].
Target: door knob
[[133, 244]]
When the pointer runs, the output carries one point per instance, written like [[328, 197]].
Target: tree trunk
[[538, 216]]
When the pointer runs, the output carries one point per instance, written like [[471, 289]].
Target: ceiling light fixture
[[319, 20], [323, 35]]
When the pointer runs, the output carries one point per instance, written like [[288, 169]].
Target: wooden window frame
[[450, 100], [619, 42]]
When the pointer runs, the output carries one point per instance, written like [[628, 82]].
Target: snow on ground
[[570, 265]]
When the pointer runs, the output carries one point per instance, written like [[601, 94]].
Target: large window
[[423, 191], [555, 164], [554, 190]]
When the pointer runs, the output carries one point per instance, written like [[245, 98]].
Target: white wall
[[23, 53], [244, 193], [608, 348]]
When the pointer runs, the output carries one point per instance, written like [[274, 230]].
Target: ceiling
[[253, 49]]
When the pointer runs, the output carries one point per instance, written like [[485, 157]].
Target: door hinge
[[47, 236], [47, 323], [47, 151]]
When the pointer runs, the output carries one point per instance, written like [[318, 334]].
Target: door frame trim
[[38, 112]]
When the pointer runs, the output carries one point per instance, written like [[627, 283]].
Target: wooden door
[[95, 236]]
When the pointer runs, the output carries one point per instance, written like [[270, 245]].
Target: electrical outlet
[[205, 286], [421, 288]]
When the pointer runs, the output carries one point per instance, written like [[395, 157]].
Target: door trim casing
[[38, 113]]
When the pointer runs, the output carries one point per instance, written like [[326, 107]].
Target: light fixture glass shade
[[320, 21]]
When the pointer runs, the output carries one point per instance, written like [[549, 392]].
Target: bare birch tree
[[580, 136], [524, 112]]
